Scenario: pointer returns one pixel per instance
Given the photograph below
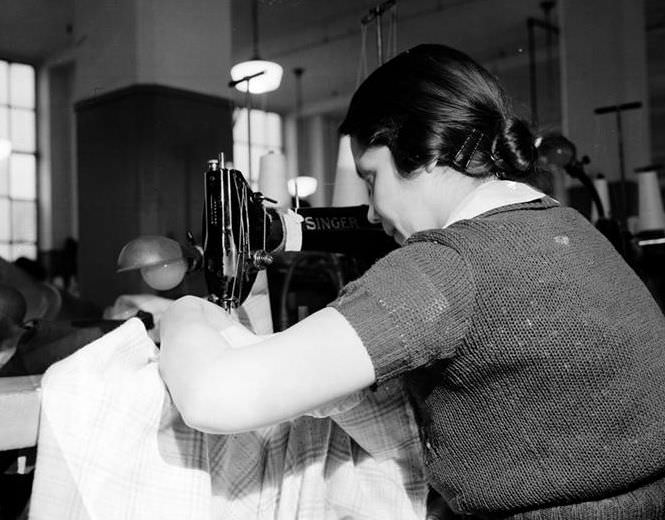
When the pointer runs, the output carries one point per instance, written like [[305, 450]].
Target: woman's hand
[[127, 305]]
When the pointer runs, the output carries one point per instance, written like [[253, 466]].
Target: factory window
[[18, 161], [265, 133]]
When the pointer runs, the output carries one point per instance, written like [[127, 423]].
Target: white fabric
[[111, 445]]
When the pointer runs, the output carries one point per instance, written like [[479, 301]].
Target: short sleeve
[[411, 308]]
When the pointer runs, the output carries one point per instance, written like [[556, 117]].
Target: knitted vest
[[554, 394]]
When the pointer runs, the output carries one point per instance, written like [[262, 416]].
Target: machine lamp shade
[[302, 186], [161, 261], [555, 149], [266, 82], [5, 148]]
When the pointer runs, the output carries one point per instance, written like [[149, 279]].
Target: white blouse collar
[[491, 195]]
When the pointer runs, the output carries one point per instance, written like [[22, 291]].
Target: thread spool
[[272, 179], [600, 183], [349, 190], [651, 216]]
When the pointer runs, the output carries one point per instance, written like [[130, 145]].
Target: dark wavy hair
[[434, 103]]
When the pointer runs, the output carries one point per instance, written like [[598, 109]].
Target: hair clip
[[468, 149]]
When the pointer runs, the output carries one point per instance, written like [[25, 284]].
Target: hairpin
[[468, 149]]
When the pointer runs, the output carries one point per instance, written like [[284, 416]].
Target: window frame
[[258, 147], [12, 247]]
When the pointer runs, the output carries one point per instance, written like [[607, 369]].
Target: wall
[[655, 38], [64, 199], [142, 152], [105, 42], [185, 45], [150, 90], [603, 62]]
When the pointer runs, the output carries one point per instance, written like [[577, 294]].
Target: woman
[[533, 354]]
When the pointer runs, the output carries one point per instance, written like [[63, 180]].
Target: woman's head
[[435, 105], [433, 109]]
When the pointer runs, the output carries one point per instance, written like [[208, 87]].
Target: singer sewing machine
[[242, 234], [243, 231]]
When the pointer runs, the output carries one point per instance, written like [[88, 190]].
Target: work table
[[20, 399]]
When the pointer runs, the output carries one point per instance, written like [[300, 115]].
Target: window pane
[[257, 152], [4, 177], [240, 157], [26, 250], [21, 85], [4, 220], [24, 221], [5, 251], [22, 127], [258, 127], [274, 131], [23, 176], [4, 82], [240, 126], [4, 122], [266, 135]]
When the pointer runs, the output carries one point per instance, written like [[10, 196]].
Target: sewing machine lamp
[[241, 234], [555, 149], [161, 261]]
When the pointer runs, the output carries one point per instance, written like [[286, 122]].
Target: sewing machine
[[242, 234]]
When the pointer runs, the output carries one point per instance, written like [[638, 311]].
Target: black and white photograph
[[332, 260]]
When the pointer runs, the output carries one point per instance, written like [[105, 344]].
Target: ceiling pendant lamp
[[256, 75]]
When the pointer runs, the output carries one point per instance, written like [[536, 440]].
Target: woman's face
[[402, 206]]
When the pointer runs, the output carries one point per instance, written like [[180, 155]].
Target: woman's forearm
[[189, 342], [224, 390]]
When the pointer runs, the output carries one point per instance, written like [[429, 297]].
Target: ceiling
[[321, 36], [324, 38], [32, 30]]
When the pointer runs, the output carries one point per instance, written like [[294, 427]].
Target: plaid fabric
[[111, 445]]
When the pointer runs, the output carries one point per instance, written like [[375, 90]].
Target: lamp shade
[[555, 149], [266, 82], [159, 259], [165, 276], [349, 190], [272, 178], [148, 250]]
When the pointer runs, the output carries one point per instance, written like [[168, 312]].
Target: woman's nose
[[372, 216]]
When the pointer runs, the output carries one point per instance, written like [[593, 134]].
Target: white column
[[45, 224], [185, 45], [291, 144], [316, 144]]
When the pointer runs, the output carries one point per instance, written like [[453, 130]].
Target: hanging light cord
[[375, 16]]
